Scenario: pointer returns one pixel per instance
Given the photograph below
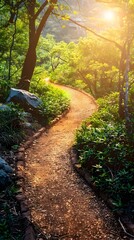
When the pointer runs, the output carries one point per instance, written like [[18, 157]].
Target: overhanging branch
[[89, 30]]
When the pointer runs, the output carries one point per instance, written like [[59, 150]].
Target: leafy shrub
[[118, 185], [54, 100], [10, 222], [4, 89], [10, 125], [106, 145], [108, 111], [106, 151], [131, 102]]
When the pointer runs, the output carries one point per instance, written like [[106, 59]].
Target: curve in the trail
[[61, 204]]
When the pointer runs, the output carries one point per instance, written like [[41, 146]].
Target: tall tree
[[44, 12], [37, 13]]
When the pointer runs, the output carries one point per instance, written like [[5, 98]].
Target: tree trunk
[[34, 35], [126, 78], [121, 82], [28, 68]]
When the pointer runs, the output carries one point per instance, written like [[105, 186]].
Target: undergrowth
[[107, 152], [10, 221], [54, 101], [11, 118]]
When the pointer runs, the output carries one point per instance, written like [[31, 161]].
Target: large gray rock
[[4, 165], [28, 101], [24, 98], [5, 171]]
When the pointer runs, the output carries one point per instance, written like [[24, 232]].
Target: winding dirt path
[[62, 205]]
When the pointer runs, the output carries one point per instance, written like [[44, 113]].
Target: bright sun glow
[[109, 15]]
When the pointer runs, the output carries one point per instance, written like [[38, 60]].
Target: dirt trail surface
[[61, 204]]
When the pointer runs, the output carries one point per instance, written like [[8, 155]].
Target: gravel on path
[[61, 204]]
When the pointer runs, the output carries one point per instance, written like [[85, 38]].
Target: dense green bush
[[10, 125], [54, 100], [10, 222], [108, 111], [106, 151], [108, 145], [4, 89]]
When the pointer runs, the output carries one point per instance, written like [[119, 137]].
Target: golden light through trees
[[109, 15]]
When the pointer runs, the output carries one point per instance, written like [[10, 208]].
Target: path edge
[[29, 231], [79, 90]]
